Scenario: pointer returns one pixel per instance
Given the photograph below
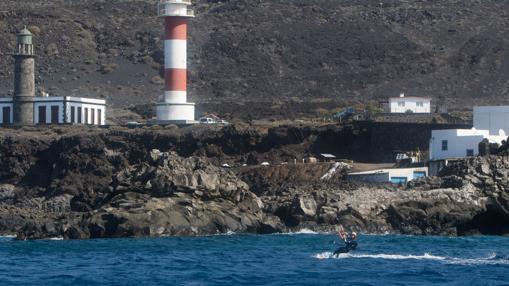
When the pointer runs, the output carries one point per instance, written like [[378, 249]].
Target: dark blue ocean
[[295, 259]]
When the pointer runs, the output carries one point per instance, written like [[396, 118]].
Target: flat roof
[[411, 97], [71, 98], [388, 170], [328, 155], [492, 108], [61, 98]]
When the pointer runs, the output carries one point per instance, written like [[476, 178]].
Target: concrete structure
[[74, 110], [490, 122], [492, 118], [59, 110], [327, 158], [404, 104], [173, 106], [6, 111], [395, 176], [27, 109], [24, 79], [459, 143]]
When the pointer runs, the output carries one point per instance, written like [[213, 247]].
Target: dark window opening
[[42, 115], [93, 116], [445, 145], [86, 116], [54, 114], [73, 114], [470, 152], [80, 114], [6, 117], [99, 117]]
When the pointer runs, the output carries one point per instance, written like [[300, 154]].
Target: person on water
[[350, 240]]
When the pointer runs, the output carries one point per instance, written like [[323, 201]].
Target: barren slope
[[265, 51]]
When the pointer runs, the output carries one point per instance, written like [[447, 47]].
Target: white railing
[[188, 2], [171, 12]]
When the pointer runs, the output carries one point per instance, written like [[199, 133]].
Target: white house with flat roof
[[490, 122], [410, 104], [395, 176], [459, 143], [60, 110]]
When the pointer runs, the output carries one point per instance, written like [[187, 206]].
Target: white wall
[[48, 111], [410, 103], [86, 108], [386, 175], [406, 172], [173, 9], [492, 118], [459, 141], [86, 104], [175, 112]]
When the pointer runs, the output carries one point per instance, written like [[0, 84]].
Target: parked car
[[226, 166], [265, 164], [133, 123], [207, 120]]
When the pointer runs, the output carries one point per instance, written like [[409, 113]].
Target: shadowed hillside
[[330, 51]]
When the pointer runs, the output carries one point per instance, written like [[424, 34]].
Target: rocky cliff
[[92, 183]]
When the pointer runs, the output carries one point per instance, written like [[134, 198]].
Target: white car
[[265, 164], [226, 166], [207, 120]]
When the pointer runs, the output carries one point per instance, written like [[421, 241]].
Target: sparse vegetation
[[108, 68]]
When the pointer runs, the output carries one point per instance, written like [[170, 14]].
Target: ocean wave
[[305, 231], [302, 231], [492, 259], [54, 238], [7, 236]]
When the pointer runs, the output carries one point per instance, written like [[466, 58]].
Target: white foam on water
[[7, 236], [55, 238], [490, 260], [304, 231]]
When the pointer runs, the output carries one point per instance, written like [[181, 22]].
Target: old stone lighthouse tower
[[24, 80]]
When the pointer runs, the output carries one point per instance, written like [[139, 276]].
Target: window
[[93, 116], [80, 114], [401, 103], [445, 145], [399, 180], [42, 115], [420, 104], [86, 116], [54, 114], [73, 114], [470, 152], [99, 117], [419, 174], [6, 117]]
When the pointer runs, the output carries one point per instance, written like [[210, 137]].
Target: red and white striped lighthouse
[[173, 106]]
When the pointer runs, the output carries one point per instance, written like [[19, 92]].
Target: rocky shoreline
[[112, 184]]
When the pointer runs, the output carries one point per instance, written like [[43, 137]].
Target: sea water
[[293, 259]]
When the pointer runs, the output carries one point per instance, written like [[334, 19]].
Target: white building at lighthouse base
[[175, 113]]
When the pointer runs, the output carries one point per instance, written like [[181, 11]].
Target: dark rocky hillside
[[329, 51]]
